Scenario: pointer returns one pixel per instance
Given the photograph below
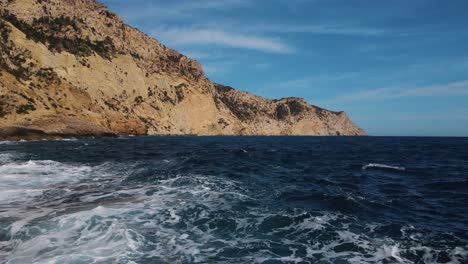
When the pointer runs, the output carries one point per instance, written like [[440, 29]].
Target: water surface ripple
[[234, 200]]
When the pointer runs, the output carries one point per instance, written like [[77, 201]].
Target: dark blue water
[[235, 200]]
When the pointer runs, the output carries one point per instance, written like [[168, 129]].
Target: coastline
[[15, 134], [128, 89], [30, 134]]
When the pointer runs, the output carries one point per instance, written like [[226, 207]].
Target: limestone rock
[[72, 67]]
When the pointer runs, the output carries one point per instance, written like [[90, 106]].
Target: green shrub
[[3, 113], [295, 107], [42, 30], [282, 111], [139, 100], [24, 109], [179, 89]]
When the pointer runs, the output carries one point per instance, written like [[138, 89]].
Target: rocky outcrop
[[73, 68]]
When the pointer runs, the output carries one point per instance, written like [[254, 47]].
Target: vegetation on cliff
[[73, 67]]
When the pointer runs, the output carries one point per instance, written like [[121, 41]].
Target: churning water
[[234, 200]]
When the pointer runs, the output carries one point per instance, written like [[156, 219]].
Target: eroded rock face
[[75, 63]]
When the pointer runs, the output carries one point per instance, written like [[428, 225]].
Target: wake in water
[[161, 208], [382, 167]]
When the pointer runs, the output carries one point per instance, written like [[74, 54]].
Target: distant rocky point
[[73, 68]]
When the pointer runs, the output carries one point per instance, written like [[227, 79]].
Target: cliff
[[73, 68]]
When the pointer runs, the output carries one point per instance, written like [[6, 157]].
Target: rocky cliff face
[[73, 68]]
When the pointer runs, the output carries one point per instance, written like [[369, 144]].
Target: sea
[[234, 200]]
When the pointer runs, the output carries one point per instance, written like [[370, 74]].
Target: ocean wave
[[117, 232], [6, 157], [461, 185], [22, 180], [7, 142], [166, 203], [198, 219], [66, 139], [382, 167]]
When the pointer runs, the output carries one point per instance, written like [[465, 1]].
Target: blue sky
[[396, 67]]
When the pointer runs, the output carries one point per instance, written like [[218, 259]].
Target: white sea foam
[[66, 139], [176, 221], [39, 173], [382, 166], [80, 236], [21, 181], [6, 157], [118, 232], [106, 233]]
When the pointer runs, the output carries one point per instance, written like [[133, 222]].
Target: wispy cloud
[[215, 70], [445, 116], [320, 29], [218, 68], [197, 55], [310, 82], [261, 66], [445, 90], [206, 15], [166, 10], [221, 38]]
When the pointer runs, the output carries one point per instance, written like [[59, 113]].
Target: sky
[[398, 68]]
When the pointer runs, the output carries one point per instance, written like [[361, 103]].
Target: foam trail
[[20, 181], [162, 203], [177, 220], [87, 236], [6, 157], [382, 166]]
